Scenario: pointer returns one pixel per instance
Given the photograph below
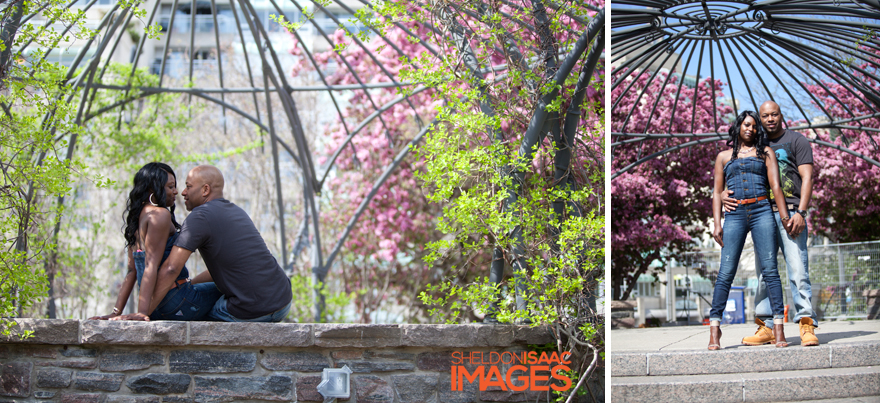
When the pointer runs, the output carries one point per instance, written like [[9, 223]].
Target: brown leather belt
[[750, 201], [180, 282]]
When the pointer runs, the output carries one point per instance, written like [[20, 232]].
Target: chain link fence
[[839, 273]]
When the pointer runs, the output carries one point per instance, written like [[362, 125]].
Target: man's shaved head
[[771, 118], [203, 184]]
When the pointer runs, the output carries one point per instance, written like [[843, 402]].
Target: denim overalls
[[747, 178], [186, 301]]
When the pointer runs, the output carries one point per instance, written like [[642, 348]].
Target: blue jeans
[[757, 218], [797, 263], [220, 313], [187, 301]]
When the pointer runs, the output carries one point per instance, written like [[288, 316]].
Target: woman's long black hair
[[761, 141], [149, 180]]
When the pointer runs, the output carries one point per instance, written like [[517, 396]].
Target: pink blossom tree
[[661, 205]]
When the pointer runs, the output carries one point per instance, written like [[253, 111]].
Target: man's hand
[[133, 316], [728, 203], [104, 317], [795, 225]]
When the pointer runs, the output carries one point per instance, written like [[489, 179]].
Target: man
[[254, 287], [795, 158]]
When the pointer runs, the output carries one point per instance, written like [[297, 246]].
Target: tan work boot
[[764, 335], [808, 335]]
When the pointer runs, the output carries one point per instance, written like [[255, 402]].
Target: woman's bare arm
[[124, 290], [718, 195]]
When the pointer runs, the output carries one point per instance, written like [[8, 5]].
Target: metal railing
[[839, 273]]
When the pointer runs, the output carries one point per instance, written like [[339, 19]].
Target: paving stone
[[42, 394], [366, 366], [74, 351], [53, 378], [625, 364], [738, 360], [307, 389], [84, 398], [356, 335], [76, 364], [372, 389], [210, 389], [303, 361], [251, 334], [464, 393], [120, 332], [416, 388], [195, 361], [15, 379], [472, 335], [92, 381], [159, 384], [45, 331], [115, 361]]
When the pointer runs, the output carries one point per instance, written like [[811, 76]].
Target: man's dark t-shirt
[[792, 150], [237, 257]]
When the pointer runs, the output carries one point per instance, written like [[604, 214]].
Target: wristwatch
[[803, 213]]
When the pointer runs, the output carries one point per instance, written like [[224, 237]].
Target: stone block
[[357, 335], [210, 389], [53, 378], [441, 361], [738, 361], [15, 379], [472, 335], [391, 355], [4, 353], [115, 361], [464, 393], [45, 331], [251, 334], [495, 394], [83, 398], [133, 399], [92, 381], [42, 394], [195, 361], [367, 366], [625, 364], [76, 364], [307, 389], [533, 335], [416, 388], [177, 399], [303, 361], [372, 389], [347, 354], [78, 352], [159, 384], [37, 352], [161, 333], [855, 355]]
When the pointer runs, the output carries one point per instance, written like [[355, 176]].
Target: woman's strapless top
[[140, 262], [747, 178]]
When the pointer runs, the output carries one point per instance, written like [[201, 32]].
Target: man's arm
[[168, 274], [799, 223], [203, 277]]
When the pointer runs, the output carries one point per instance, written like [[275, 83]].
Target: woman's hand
[[104, 317], [718, 234], [133, 316]]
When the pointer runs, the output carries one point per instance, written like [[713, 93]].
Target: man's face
[[192, 191], [771, 118]]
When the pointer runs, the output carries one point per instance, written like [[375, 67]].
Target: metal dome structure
[[766, 50], [199, 30]]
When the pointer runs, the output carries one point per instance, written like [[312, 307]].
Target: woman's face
[[748, 130], [170, 190]]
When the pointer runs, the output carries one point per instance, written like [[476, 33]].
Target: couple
[[243, 282], [764, 157]]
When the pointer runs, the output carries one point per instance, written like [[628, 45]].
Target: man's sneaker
[[808, 335], [764, 335]]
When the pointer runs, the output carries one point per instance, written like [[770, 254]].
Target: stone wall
[[104, 361]]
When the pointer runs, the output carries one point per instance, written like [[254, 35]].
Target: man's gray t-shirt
[[237, 257], [792, 150]]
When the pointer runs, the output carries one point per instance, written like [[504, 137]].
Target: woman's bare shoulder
[[155, 215], [724, 156]]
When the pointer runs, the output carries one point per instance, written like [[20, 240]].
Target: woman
[[750, 169], [150, 231]]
